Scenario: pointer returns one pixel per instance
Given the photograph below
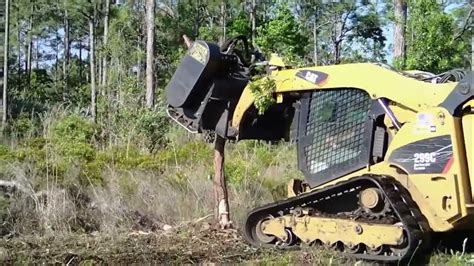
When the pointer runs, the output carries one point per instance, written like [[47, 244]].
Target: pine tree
[[150, 53], [5, 63]]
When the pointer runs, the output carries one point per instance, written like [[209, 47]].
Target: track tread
[[418, 231]]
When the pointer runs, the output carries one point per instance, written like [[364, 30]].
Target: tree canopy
[[50, 48]]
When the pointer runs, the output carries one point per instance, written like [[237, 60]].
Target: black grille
[[335, 128]]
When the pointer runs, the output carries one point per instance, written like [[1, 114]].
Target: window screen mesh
[[336, 125]]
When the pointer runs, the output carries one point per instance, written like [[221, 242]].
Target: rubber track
[[414, 223]]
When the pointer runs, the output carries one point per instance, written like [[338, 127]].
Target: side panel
[[430, 155], [468, 129]]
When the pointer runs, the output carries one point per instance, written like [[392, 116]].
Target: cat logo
[[311, 77], [315, 77]]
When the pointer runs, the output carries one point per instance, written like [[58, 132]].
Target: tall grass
[[71, 175]]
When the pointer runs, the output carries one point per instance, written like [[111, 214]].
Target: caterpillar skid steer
[[388, 157]]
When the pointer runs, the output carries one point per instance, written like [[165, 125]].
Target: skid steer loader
[[388, 156]]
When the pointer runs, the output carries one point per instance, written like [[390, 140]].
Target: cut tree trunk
[[399, 47], [150, 40], [221, 198]]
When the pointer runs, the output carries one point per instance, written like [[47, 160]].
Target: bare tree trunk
[[223, 22], [139, 61], [29, 53], [104, 42], [150, 36], [253, 19], [5, 63], [56, 62], [315, 43], [29, 49], [337, 52], [400, 8], [98, 60], [197, 19], [221, 198], [36, 49], [92, 69], [18, 34], [80, 59], [472, 45], [66, 49]]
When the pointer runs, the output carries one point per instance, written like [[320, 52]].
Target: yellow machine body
[[387, 156], [446, 198]]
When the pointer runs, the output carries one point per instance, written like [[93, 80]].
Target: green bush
[[22, 127], [72, 137], [6, 154], [73, 128]]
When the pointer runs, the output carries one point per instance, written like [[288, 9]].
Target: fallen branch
[[12, 185]]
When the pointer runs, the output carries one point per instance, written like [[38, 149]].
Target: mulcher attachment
[[205, 88]]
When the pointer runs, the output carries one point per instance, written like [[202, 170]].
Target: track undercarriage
[[367, 217]]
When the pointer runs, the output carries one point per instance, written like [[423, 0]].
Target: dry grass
[[54, 202]]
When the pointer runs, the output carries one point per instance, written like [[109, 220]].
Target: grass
[[452, 258], [71, 184]]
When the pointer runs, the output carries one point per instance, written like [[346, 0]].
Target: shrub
[[5, 153]]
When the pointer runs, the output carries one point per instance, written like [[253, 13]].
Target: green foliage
[[22, 127], [5, 154], [73, 128], [262, 89], [72, 137], [239, 169], [240, 25], [430, 42], [153, 125], [282, 35]]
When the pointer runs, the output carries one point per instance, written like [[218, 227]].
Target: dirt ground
[[189, 244]]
